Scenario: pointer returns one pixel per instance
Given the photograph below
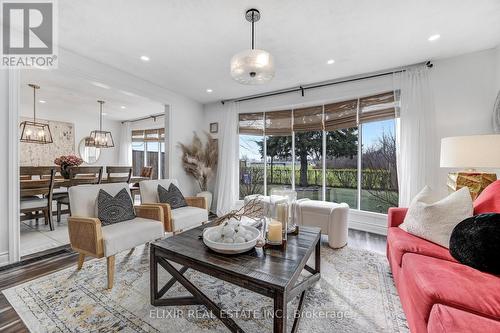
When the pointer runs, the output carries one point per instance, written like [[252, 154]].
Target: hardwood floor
[[33, 267]]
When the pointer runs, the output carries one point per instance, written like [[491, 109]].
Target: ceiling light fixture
[[33, 131], [434, 38], [252, 66], [99, 138], [122, 107], [330, 62], [145, 58], [209, 91], [42, 101]]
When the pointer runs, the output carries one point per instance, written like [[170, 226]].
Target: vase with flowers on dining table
[[66, 162]]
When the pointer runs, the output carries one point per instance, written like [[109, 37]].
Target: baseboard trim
[[4, 258], [370, 222]]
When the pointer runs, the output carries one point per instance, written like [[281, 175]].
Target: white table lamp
[[469, 153]]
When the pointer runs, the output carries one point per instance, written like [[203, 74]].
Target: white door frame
[[13, 166]]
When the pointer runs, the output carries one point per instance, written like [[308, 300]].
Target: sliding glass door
[[148, 149], [340, 152]]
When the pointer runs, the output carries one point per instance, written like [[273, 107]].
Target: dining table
[[62, 183]]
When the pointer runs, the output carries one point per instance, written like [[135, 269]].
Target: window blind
[[308, 119], [251, 123], [341, 115], [377, 107], [149, 135], [278, 122], [137, 135]]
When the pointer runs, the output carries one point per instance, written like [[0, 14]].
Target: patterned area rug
[[356, 293]]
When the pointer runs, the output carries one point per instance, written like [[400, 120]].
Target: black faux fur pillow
[[475, 242]]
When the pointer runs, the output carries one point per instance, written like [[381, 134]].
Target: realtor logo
[[28, 34]]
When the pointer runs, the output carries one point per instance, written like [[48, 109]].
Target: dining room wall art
[[63, 135]]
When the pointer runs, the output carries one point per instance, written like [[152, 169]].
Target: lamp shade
[[252, 67], [474, 151]]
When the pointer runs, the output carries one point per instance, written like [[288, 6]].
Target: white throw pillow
[[433, 219]]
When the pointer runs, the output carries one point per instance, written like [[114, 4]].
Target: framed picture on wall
[[214, 127]]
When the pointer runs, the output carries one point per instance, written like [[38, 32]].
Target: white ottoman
[[330, 217]]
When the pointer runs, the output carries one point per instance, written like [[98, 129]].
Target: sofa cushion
[[149, 189], [173, 196], [400, 242], [489, 200], [126, 235], [432, 281], [114, 209], [447, 319], [188, 217], [434, 219], [476, 242]]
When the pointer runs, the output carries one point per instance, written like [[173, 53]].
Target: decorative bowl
[[210, 233]]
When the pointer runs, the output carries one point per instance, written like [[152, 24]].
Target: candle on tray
[[274, 231]]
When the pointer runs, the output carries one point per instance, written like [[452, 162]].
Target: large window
[[278, 142], [148, 149], [340, 152]]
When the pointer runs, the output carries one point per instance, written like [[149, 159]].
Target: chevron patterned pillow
[[114, 209], [173, 196]]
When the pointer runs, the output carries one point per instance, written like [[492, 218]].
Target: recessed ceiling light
[[434, 38], [330, 62], [101, 85], [122, 107], [42, 101], [145, 58], [104, 114], [209, 91]]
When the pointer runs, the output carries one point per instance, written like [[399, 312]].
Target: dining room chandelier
[[252, 66], [35, 131], [99, 138]]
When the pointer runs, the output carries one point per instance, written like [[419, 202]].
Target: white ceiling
[[190, 42], [72, 94]]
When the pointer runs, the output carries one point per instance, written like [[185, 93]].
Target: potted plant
[[67, 161], [200, 161]]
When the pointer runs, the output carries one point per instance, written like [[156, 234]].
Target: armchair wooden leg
[[81, 259], [111, 270]]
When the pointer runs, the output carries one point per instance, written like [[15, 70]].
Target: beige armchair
[[175, 220], [89, 238]]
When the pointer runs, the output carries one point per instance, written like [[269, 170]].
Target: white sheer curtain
[[227, 171], [125, 156], [417, 150]]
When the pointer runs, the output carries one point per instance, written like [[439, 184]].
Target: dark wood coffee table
[[269, 272]]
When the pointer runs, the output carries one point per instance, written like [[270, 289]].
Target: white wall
[[498, 68], [83, 120], [4, 176], [464, 93]]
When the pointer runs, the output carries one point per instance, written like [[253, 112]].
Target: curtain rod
[[154, 116], [303, 88]]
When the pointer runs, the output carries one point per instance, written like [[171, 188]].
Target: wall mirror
[[89, 155]]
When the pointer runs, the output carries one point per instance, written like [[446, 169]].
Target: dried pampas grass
[[200, 160]]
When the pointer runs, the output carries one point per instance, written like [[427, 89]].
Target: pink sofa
[[438, 293]]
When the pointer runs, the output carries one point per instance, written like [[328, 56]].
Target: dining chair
[[36, 194], [78, 176], [118, 174], [146, 172]]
